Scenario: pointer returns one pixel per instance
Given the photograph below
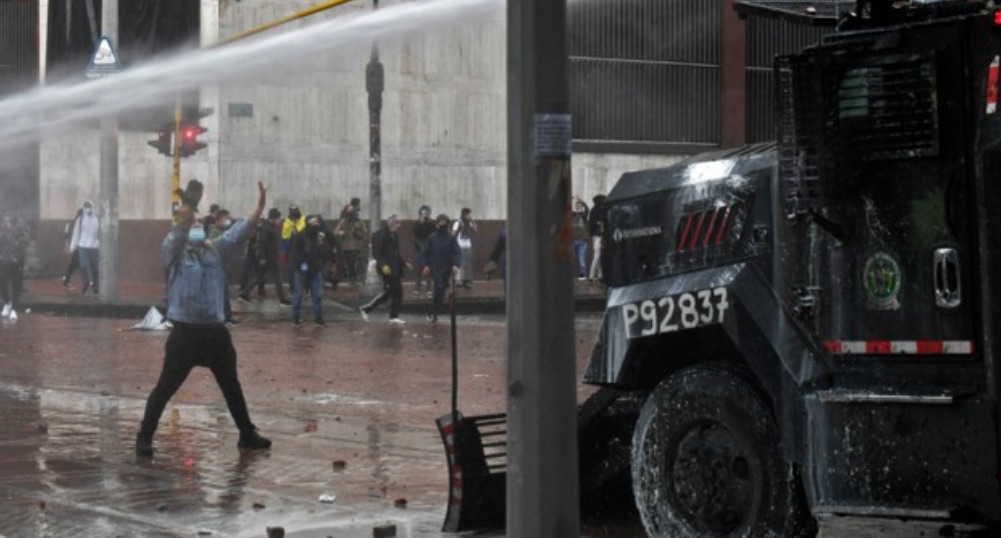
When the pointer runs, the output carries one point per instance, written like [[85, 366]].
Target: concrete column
[[733, 77], [542, 475], [108, 200]]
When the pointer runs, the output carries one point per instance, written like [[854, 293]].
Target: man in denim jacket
[[195, 306]]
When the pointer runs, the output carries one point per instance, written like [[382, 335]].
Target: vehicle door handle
[[948, 291]]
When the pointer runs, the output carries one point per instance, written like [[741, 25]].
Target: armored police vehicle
[[807, 327]]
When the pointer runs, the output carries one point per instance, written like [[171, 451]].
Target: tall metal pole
[[109, 176], [375, 82], [542, 474]]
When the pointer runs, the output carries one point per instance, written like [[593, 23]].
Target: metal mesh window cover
[[888, 108], [630, 101], [18, 46], [657, 30]]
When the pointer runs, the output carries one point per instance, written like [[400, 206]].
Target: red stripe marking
[[698, 230], [709, 230], [930, 347], [722, 226], [684, 234], [877, 347], [834, 346]]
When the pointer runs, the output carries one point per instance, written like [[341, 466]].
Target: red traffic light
[[189, 139]]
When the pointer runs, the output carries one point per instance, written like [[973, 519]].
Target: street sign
[[104, 61]]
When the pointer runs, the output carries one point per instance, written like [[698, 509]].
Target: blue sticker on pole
[[553, 135], [104, 61]]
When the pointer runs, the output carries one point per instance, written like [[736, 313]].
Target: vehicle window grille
[[889, 109]]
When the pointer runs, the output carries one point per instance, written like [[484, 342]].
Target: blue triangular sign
[[104, 61]]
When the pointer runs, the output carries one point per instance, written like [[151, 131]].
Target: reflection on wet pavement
[[72, 392]]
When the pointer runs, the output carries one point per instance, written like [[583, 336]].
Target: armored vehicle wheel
[[705, 459]]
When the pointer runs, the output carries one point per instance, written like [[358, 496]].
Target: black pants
[[442, 279], [253, 274], [74, 264], [392, 290], [189, 346], [10, 282]]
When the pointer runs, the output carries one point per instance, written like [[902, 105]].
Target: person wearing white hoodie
[[87, 241]]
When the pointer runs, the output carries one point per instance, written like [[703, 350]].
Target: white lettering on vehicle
[[677, 312]]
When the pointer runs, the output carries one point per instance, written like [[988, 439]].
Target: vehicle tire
[[706, 461]]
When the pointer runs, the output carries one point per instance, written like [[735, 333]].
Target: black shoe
[[66, 283], [319, 321], [243, 299], [296, 322], [285, 302], [144, 445], [251, 439], [433, 318]]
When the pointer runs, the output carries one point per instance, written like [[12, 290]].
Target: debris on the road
[[339, 465], [204, 532], [42, 427], [400, 503], [275, 532], [258, 506], [154, 321], [387, 530], [162, 507], [41, 505], [328, 498]]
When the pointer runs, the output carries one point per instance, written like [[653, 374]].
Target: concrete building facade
[[304, 130]]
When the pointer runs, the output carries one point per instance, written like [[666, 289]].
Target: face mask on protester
[[196, 235]]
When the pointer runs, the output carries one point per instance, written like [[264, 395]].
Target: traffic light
[[164, 142], [189, 139], [191, 129]]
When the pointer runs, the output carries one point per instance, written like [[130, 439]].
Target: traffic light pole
[[109, 178], [542, 474], [175, 178], [375, 82]]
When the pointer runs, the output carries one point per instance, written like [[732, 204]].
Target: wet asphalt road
[[72, 392], [364, 395]]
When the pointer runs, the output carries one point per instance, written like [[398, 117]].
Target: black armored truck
[[806, 327]]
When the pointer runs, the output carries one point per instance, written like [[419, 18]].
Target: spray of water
[[56, 109]]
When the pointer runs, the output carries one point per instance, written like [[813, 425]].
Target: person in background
[[423, 229], [13, 249], [87, 240], [389, 263], [74, 262], [596, 226], [464, 229], [579, 222], [261, 259], [218, 226], [293, 224], [352, 235], [310, 253], [441, 260], [195, 308]]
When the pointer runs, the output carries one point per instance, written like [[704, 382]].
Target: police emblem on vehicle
[[675, 312], [881, 279]]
